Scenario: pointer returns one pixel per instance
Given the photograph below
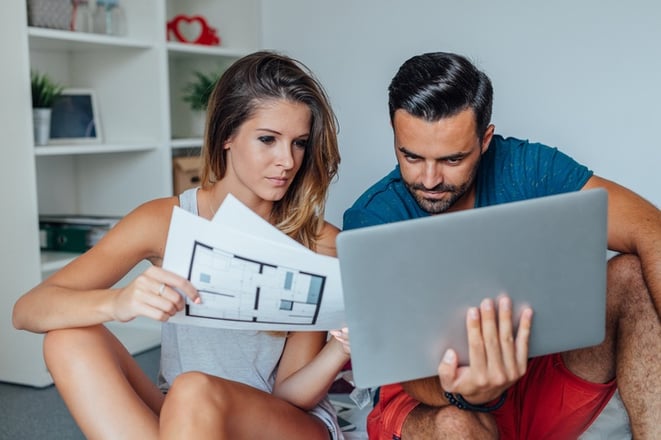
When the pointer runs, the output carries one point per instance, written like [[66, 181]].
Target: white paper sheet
[[250, 275]]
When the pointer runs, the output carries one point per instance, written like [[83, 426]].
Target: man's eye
[[454, 160], [411, 158]]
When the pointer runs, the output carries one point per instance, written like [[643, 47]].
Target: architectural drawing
[[240, 289]]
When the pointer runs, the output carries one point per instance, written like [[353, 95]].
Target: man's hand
[[497, 359]]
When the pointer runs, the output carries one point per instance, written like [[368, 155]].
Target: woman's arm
[[81, 293], [309, 362]]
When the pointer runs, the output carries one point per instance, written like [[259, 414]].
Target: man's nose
[[432, 175]]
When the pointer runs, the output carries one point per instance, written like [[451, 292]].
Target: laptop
[[408, 285]]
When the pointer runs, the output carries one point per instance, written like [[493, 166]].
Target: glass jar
[[109, 18], [81, 16]]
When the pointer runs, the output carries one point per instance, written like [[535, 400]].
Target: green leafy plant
[[44, 90], [198, 91]]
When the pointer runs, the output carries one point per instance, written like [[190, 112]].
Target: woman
[[271, 142]]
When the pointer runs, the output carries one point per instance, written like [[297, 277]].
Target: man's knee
[[448, 423], [627, 290], [625, 270]]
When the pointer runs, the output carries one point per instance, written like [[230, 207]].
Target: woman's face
[[267, 151]]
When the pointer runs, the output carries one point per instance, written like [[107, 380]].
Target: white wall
[[580, 75]]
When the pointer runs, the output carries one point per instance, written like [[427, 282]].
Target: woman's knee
[[192, 390], [83, 348], [65, 344]]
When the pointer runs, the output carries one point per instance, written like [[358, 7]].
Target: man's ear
[[486, 139]]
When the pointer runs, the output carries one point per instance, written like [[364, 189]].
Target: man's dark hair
[[439, 85]]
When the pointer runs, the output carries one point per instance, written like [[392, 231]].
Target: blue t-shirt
[[510, 170]]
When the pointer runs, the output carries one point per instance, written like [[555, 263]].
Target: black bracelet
[[459, 401]]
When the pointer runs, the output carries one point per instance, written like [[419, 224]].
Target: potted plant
[[44, 93], [196, 94]]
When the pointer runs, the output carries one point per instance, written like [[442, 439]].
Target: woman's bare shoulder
[[326, 241], [145, 228]]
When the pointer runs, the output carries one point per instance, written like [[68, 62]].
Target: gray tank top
[[250, 357]]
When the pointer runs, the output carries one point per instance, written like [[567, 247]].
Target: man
[[449, 159]]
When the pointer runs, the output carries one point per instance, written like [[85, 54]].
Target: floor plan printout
[[236, 288], [250, 275]]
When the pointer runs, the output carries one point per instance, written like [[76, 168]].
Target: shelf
[[53, 39], [186, 143], [138, 79], [64, 150], [184, 50], [52, 260]]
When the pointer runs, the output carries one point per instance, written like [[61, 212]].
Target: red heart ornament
[[192, 29]]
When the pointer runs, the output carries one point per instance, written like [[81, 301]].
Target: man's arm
[[427, 391], [634, 227]]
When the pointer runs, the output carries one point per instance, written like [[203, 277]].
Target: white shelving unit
[[138, 80]]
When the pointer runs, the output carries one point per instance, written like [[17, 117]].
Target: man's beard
[[438, 206]]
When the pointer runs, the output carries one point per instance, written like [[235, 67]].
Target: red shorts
[[548, 402]]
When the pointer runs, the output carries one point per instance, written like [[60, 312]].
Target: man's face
[[439, 160]]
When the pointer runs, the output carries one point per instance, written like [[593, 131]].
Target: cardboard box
[[185, 173]]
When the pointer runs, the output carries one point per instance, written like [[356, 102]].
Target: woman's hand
[[152, 294], [342, 336]]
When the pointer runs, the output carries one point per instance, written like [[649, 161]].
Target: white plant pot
[[198, 119], [41, 125]]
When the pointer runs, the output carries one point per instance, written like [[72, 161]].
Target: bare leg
[[201, 406], [426, 422], [632, 349], [107, 393]]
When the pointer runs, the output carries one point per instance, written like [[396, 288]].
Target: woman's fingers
[[342, 336], [174, 284]]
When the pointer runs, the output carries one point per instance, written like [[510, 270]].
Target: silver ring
[[161, 289]]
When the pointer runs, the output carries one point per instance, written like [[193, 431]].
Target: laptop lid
[[408, 285]]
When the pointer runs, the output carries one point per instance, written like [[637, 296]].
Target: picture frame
[[75, 118]]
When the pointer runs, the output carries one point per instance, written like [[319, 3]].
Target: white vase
[[41, 125], [198, 120]]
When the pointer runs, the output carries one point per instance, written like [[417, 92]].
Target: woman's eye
[[267, 139], [303, 143]]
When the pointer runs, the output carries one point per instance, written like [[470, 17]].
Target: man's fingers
[[522, 339], [490, 334], [447, 370], [476, 353], [506, 336]]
